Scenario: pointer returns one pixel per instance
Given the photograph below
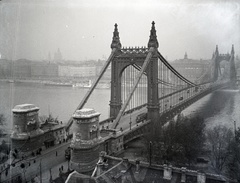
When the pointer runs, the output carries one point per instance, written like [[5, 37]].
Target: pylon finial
[[185, 55], [116, 40], [153, 42], [216, 49], [232, 52]]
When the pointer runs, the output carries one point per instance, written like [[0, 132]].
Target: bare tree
[[219, 139], [179, 141], [233, 164], [190, 135]]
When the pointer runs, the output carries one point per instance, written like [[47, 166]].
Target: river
[[219, 107], [60, 101]]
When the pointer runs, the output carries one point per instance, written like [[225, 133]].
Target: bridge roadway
[[167, 102]]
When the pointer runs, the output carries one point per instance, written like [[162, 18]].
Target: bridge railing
[[207, 88], [134, 109], [135, 132]]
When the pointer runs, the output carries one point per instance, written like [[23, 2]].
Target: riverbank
[[50, 82]]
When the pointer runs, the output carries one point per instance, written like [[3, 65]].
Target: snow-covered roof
[[85, 113], [25, 108]]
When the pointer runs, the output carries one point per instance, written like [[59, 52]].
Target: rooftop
[[85, 113], [25, 108], [118, 170]]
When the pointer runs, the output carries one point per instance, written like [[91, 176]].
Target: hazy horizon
[[83, 30]]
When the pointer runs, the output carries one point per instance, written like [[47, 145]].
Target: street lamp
[[68, 165], [235, 129], [50, 170], [23, 167], [150, 153], [130, 123]]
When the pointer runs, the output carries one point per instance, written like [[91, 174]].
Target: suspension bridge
[[146, 89]]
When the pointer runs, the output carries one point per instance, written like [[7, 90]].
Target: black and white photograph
[[119, 91]]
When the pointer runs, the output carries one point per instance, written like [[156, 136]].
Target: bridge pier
[[153, 105]]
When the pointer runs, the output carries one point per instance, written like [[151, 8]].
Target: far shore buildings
[[26, 69], [190, 68]]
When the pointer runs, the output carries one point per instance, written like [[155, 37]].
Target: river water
[[219, 107], [60, 101]]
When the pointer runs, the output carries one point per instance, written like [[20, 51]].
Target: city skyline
[[83, 30]]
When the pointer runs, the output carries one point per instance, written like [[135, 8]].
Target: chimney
[[101, 156], [201, 177], [167, 172], [124, 178], [137, 166], [100, 163], [125, 162], [183, 175]]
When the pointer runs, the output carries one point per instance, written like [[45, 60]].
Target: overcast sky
[[82, 29]]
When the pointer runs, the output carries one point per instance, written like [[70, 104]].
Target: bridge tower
[[217, 58], [130, 56], [233, 73], [216, 65]]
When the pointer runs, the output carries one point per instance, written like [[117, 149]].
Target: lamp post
[[50, 170], [235, 129], [23, 167], [130, 123], [68, 165], [40, 165], [150, 153]]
